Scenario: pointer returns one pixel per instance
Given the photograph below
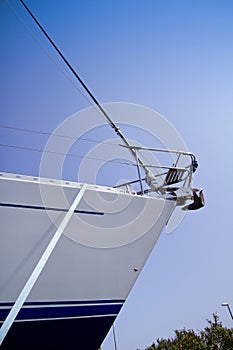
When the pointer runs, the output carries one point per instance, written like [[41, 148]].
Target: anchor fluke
[[198, 201]]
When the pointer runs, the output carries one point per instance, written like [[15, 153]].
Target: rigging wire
[[142, 156], [96, 105], [66, 154], [93, 98], [50, 55], [54, 134], [69, 66]]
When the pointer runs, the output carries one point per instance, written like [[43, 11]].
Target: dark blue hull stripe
[[25, 206], [60, 334], [67, 302], [62, 310]]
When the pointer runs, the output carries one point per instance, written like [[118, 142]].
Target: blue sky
[[171, 56]]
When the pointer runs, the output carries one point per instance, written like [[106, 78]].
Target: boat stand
[[39, 267]]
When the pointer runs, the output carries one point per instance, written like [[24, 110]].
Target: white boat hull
[[92, 268]]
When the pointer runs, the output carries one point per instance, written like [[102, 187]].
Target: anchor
[[198, 201]]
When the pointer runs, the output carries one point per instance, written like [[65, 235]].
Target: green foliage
[[213, 337]]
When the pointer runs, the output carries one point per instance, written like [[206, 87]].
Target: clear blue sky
[[174, 57]]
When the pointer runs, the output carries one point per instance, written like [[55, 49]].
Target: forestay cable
[[96, 102]]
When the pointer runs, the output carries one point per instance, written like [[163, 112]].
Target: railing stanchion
[[139, 172]]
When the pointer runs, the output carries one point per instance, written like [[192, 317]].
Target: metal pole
[[139, 173], [229, 309], [39, 267], [114, 336]]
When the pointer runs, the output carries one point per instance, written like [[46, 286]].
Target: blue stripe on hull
[[78, 334], [68, 302], [26, 206], [57, 310]]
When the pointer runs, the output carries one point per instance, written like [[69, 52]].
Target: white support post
[[39, 267]]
